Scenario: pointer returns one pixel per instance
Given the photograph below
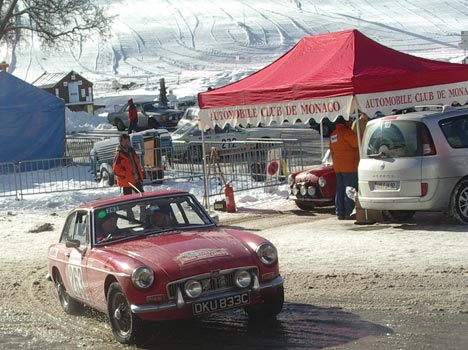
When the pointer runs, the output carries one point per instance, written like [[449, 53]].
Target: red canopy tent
[[333, 74]]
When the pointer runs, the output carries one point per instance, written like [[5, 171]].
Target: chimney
[[4, 66]]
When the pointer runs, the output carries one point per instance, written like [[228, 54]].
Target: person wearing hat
[[127, 167], [107, 226], [345, 154], [132, 117]]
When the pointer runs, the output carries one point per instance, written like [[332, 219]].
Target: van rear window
[[392, 139], [456, 131]]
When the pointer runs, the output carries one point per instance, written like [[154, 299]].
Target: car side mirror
[[214, 218], [72, 243]]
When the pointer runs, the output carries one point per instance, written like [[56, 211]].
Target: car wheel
[[258, 171], [399, 215], [271, 306], [107, 175], [307, 206], [153, 124], [459, 202], [69, 305], [126, 326], [194, 154], [120, 125]]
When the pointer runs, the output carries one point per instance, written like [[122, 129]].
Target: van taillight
[[424, 187], [428, 147]]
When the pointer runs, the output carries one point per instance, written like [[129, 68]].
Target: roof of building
[[49, 80]]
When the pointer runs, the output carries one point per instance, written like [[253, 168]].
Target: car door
[[76, 239]]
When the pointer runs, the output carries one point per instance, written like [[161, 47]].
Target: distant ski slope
[[217, 42]]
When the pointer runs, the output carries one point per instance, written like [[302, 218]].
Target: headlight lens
[[311, 191], [142, 277], [193, 288], [295, 190], [243, 278], [322, 182], [267, 253], [303, 190]]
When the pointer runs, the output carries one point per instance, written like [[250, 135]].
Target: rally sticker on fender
[[204, 307]]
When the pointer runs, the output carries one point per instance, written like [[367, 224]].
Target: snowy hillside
[[196, 44]]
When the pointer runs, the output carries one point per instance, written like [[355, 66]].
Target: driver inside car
[[107, 227], [160, 218]]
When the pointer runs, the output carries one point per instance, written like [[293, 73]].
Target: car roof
[[427, 113], [130, 197]]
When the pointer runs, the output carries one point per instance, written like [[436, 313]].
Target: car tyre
[[459, 202], [271, 306], [127, 328], [399, 215], [107, 175], [69, 305], [307, 206], [120, 125], [153, 124]]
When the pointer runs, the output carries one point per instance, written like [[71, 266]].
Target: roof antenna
[[136, 189]]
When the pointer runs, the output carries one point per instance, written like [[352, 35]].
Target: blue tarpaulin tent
[[32, 122]]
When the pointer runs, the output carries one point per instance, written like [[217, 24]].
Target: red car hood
[[187, 253], [314, 171]]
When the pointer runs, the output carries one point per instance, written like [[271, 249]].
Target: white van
[[190, 116], [416, 162]]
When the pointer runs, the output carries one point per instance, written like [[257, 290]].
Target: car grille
[[213, 282]]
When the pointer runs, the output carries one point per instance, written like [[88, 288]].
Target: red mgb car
[[160, 256], [314, 186]]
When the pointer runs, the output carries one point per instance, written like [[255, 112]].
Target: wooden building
[[76, 91]]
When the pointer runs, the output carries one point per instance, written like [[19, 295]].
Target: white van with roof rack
[[416, 161]]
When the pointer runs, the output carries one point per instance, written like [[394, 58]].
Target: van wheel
[[399, 215], [107, 175], [153, 124], [120, 125], [459, 202]]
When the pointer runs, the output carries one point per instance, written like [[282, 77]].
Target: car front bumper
[[180, 303]]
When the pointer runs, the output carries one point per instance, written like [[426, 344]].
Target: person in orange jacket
[[127, 168], [345, 154]]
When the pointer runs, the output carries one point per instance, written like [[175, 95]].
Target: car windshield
[[391, 139], [146, 216]]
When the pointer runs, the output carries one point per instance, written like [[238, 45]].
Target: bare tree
[[53, 21]]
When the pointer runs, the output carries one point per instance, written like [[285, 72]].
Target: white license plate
[[230, 302], [385, 186]]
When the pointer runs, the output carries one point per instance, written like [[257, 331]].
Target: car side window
[[76, 228], [455, 131]]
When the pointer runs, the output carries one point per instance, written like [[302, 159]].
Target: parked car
[[328, 126], [187, 138], [148, 269], [190, 115], [314, 186], [152, 147], [151, 115], [416, 161]]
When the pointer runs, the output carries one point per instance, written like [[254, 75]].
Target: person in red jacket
[[132, 117], [127, 168], [345, 154]]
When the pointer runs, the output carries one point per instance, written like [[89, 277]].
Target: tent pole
[[321, 138], [206, 201]]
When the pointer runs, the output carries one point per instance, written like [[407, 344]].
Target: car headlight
[[290, 180], [311, 191], [142, 277], [267, 253], [193, 288], [303, 190], [322, 182], [295, 191], [242, 278]]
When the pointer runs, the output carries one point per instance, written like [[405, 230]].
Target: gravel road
[[346, 288]]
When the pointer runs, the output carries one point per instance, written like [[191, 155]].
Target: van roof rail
[[438, 108]]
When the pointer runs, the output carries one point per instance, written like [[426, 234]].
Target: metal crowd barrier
[[246, 164]]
